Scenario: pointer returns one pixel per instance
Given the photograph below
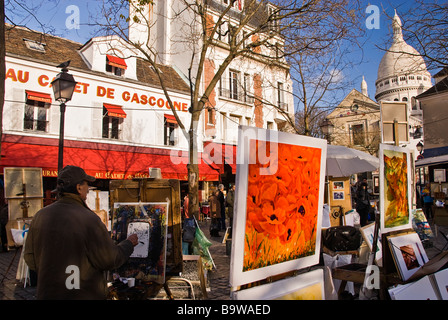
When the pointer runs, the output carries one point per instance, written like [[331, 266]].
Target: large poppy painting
[[277, 221], [395, 188]]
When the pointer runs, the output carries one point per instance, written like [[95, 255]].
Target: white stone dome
[[401, 59], [402, 72]]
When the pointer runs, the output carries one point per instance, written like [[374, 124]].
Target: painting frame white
[[281, 288], [384, 227], [368, 233], [238, 276], [396, 242]]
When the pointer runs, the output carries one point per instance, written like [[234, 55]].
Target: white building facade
[[119, 124]]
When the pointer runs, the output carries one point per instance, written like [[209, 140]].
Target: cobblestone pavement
[[11, 289]]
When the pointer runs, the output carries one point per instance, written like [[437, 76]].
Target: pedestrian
[[230, 201], [3, 222], [69, 246], [215, 213], [427, 201], [363, 203], [222, 203]]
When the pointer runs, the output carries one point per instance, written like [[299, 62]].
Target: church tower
[[402, 72]]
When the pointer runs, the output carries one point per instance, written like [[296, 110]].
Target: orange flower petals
[[282, 207]]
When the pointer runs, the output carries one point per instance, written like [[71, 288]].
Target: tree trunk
[[193, 167]]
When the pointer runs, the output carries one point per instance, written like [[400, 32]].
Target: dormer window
[[115, 65], [35, 45]]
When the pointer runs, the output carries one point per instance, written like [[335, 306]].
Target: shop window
[[170, 125], [111, 125], [35, 117]]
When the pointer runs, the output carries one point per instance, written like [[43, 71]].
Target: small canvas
[[408, 253], [306, 286], [142, 230], [368, 232], [395, 188]]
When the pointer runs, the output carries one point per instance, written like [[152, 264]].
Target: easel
[[156, 190]]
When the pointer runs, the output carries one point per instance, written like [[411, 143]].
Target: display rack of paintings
[[278, 205], [306, 286], [395, 188], [149, 222]]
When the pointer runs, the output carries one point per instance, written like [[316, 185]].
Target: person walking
[[363, 203], [222, 203], [69, 246], [215, 213], [427, 201], [230, 201]]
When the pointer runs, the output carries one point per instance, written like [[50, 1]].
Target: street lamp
[[63, 87], [327, 128]]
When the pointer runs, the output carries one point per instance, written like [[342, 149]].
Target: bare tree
[[426, 28], [253, 32], [318, 71]]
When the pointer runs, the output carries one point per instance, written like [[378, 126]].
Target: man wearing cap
[[69, 247]]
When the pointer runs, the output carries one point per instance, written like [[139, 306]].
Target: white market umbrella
[[343, 161]]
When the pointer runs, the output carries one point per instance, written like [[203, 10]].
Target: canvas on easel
[[395, 188], [149, 222]]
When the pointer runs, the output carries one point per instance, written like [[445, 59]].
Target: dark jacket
[[230, 200], [67, 236], [215, 207]]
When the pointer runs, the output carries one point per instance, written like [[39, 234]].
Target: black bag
[[342, 238]]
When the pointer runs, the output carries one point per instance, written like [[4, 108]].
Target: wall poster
[[149, 222], [395, 188], [278, 204]]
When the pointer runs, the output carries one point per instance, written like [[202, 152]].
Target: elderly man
[[69, 247]]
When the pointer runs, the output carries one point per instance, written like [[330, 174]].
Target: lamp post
[[63, 87], [327, 128]]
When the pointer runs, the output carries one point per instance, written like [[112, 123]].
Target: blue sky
[[56, 13]]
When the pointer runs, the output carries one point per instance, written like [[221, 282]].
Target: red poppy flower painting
[[281, 207]]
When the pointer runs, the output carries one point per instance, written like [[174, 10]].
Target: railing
[[238, 95]]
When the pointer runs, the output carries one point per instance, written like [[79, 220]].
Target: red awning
[[100, 160], [116, 62], [170, 118], [114, 110], [38, 96], [220, 154]]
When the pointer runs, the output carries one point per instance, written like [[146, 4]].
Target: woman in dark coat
[[215, 214], [363, 203]]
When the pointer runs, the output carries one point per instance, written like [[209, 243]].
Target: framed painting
[[395, 188], [278, 205], [306, 286], [149, 222], [408, 253], [368, 233]]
